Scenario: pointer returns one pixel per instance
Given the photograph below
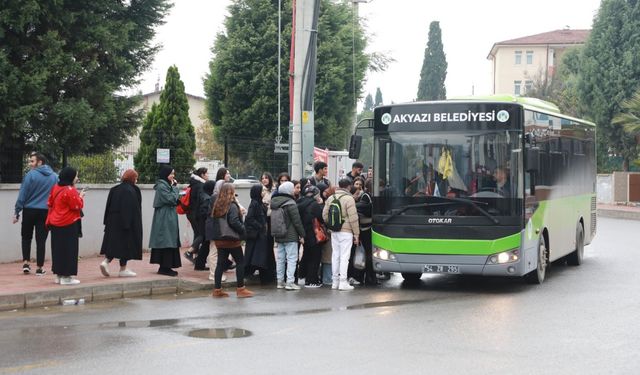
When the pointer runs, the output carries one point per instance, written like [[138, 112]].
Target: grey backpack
[[279, 220]]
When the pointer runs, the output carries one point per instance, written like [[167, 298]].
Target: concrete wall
[[92, 227]]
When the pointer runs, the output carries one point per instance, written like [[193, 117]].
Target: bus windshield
[[454, 173]]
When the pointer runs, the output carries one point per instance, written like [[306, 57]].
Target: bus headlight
[[383, 254], [505, 257]]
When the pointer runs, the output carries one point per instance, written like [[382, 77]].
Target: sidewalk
[[18, 291], [618, 211]]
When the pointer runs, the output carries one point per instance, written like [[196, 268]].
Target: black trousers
[[34, 218], [313, 255], [201, 260], [238, 257]]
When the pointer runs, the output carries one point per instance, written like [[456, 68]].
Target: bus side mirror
[[533, 159], [354, 146]]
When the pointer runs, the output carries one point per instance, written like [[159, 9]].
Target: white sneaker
[[127, 273], [334, 285], [353, 281], [213, 278], [292, 286], [345, 286], [69, 281], [280, 285], [301, 281], [57, 280], [104, 268]]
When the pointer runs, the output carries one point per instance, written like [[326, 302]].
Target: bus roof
[[534, 104]]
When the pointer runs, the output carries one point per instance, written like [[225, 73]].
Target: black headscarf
[[208, 187], [164, 173], [67, 176], [256, 192]]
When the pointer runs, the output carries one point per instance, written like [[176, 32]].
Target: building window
[[528, 86], [516, 87], [529, 57], [518, 55]]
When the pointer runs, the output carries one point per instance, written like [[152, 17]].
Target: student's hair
[[221, 173], [357, 164], [317, 166], [39, 157], [268, 175], [226, 195], [283, 175], [344, 183], [368, 184], [303, 182], [201, 171]]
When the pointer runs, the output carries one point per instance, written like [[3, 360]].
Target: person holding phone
[[165, 237]]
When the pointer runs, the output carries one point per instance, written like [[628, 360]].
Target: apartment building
[[518, 64]]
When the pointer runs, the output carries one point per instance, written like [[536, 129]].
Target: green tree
[[368, 103], [61, 63], [610, 73], [379, 100], [241, 84], [167, 126], [629, 120], [434, 67]]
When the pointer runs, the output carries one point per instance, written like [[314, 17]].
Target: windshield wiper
[[410, 206], [475, 205]]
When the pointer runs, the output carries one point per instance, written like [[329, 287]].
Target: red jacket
[[65, 205]]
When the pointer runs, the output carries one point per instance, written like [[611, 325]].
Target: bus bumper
[[447, 264]]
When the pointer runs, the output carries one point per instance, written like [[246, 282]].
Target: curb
[[98, 292], [619, 214]]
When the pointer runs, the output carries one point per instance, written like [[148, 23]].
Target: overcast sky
[[398, 28]]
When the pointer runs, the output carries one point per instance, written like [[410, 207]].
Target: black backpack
[[334, 217]]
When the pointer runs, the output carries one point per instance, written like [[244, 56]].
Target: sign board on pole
[[163, 155]]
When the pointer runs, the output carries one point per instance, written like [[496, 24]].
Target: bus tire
[[537, 276], [411, 277], [575, 258]]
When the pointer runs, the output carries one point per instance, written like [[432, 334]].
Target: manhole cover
[[219, 333]]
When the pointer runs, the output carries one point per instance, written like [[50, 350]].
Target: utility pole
[[305, 40]]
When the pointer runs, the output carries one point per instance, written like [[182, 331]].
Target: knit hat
[[286, 188]]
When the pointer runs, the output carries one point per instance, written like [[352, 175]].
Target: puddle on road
[[219, 333]]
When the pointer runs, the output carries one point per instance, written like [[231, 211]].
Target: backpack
[[334, 218], [183, 201], [279, 220]]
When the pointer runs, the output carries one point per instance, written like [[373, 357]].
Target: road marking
[[18, 369]]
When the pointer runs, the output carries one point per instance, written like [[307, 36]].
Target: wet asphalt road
[[583, 320]]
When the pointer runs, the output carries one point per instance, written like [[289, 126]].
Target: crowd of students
[[284, 219]]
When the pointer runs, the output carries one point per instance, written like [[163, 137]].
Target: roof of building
[[160, 92], [556, 37]]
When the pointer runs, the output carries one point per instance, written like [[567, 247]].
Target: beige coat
[[349, 212]]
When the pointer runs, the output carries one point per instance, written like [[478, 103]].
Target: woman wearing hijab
[[257, 254], [63, 220], [123, 225], [165, 237]]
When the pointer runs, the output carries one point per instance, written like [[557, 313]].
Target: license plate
[[441, 268]]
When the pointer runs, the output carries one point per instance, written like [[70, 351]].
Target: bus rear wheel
[[537, 276], [575, 258], [411, 277]]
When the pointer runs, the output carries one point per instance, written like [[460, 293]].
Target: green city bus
[[497, 185]]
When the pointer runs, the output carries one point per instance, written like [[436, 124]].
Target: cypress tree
[[378, 98], [368, 103], [167, 125], [434, 67]]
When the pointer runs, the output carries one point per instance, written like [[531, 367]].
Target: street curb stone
[[619, 214], [106, 292]]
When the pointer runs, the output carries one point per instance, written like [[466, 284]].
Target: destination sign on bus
[[438, 117]]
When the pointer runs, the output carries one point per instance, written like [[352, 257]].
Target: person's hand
[[356, 239], [82, 193], [243, 210], [174, 182], [301, 241], [15, 219]]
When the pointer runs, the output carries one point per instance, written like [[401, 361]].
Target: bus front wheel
[[411, 277], [575, 258], [537, 276]]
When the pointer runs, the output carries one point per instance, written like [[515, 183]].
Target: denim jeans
[[287, 252]]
